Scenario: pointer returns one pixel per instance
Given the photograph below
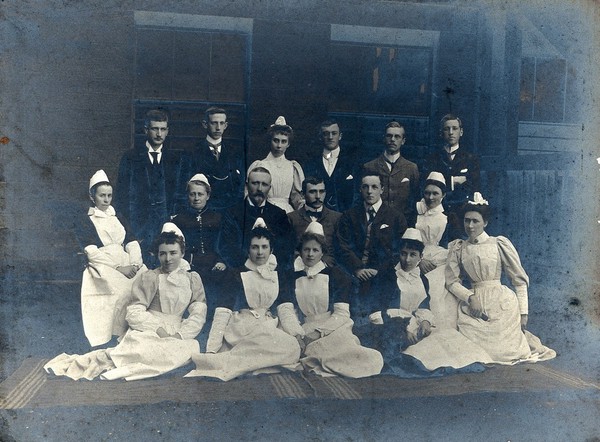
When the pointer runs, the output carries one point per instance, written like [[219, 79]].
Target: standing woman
[[244, 337], [321, 299], [432, 222], [286, 175], [492, 318], [114, 263]]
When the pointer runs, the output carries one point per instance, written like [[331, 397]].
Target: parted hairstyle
[[412, 244], [168, 238], [483, 209], [158, 114], [308, 236]]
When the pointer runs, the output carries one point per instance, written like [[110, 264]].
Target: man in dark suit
[[151, 182], [400, 176], [223, 165], [460, 169], [314, 192], [239, 220], [368, 236], [335, 167]]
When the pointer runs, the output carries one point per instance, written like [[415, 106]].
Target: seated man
[[239, 220], [314, 192], [367, 238]]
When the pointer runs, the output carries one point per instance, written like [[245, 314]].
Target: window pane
[[549, 90], [380, 79], [526, 95], [228, 67], [191, 70], [154, 63]]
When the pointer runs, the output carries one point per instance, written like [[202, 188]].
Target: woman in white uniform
[[286, 175], [114, 263], [159, 339], [492, 318], [244, 337], [321, 299]]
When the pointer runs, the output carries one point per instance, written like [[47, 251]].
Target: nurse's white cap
[[259, 223], [414, 234], [315, 227], [170, 227], [99, 177], [199, 177]]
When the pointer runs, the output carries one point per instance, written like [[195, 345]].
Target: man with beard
[[239, 220], [315, 194]]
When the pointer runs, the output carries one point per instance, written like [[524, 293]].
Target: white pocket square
[[383, 226], [349, 177], [464, 171], [405, 180]]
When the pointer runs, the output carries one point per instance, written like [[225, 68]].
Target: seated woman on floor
[[404, 316], [244, 337], [114, 263], [159, 339], [492, 318], [321, 297]]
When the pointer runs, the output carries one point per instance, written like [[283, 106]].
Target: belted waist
[[491, 283]]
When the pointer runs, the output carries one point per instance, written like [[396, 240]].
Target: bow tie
[[314, 213]]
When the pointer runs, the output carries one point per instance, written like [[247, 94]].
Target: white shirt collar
[[391, 158], [150, 149], [253, 205], [331, 154], [451, 149], [483, 237], [375, 206], [414, 273], [310, 271], [110, 211]]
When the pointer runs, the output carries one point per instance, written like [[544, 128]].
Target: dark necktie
[[314, 214], [215, 150], [154, 158], [371, 215]]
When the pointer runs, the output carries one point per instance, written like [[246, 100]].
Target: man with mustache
[[460, 169], [151, 181], [315, 195], [400, 176], [239, 220]]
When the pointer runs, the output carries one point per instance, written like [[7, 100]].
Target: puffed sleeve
[[296, 199], [143, 292], [511, 263], [453, 271], [192, 325]]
